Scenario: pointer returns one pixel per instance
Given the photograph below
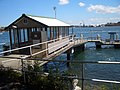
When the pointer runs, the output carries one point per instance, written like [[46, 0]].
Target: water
[[100, 71], [106, 53], [4, 39]]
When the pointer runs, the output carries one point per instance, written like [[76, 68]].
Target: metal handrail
[[41, 51], [29, 46]]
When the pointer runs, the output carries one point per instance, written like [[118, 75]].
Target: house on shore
[[1, 29], [30, 29]]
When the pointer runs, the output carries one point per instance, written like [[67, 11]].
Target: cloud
[[63, 2], [104, 9], [81, 4]]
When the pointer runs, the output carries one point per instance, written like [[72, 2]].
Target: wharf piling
[[98, 45], [79, 48], [68, 57], [117, 46]]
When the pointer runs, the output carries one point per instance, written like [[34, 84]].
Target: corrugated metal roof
[[48, 21]]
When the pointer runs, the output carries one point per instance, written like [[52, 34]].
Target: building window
[[25, 21], [23, 35], [66, 31], [63, 32], [55, 33], [60, 32], [35, 29], [26, 35], [51, 33], [48, 33], [57, 29], [12, 36]]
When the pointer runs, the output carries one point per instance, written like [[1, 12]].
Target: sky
[[74, 12]]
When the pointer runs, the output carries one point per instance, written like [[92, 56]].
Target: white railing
[[57, 45], [51, 44]]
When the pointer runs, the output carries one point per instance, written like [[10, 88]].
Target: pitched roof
[[48, 21]]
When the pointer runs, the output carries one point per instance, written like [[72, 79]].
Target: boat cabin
[[29, 30]]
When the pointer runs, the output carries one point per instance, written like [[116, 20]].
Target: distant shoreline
[[4, 31], [76, 26], [95, 26]]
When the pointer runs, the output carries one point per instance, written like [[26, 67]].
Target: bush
[[8, 75], [43, 82]]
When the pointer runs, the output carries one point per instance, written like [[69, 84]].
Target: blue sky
[[70, 11]]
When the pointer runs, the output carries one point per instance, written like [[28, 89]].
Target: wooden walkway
[[14, 60]]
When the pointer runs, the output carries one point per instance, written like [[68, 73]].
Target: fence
[[84, 83], [90, 83]]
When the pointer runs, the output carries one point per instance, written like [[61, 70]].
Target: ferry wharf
[[45, 38], [38, 37]]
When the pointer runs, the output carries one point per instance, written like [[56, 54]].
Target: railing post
[[23, 72], [82, 76], [46, 49], [30, 50]]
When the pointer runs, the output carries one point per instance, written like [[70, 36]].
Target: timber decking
[[14, 60]]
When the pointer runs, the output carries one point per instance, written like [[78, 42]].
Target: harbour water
[[106, 53], [4, 39]]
